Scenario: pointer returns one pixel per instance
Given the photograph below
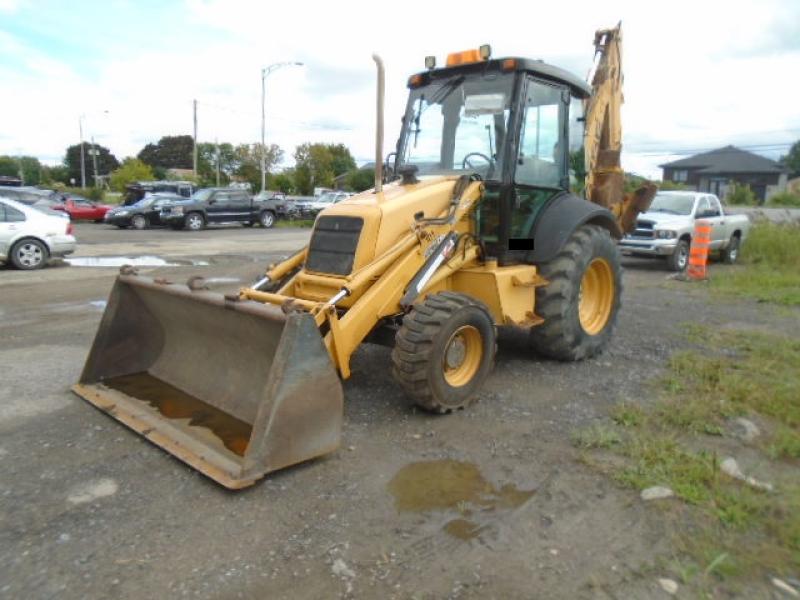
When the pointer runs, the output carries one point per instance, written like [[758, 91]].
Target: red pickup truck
[[83, 209]]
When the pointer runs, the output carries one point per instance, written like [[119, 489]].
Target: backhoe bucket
[[235, 389]]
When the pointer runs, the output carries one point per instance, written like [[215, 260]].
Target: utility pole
[[194, 149], [94, 161], [264, 72], [83, 158], [216, 143]]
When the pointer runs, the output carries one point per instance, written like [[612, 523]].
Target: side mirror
[[212, 201]]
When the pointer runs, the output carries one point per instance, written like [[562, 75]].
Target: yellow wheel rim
[[596, 298], [462, 356]]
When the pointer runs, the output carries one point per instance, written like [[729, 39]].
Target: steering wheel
[[465, 163]]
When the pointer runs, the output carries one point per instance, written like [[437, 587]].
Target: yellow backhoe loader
[[472, 227]]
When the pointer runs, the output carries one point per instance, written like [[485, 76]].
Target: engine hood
[[389, 215], [663, 219]]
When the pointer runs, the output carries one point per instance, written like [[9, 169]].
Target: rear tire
[[444, 350], [139, 222], [580, 303], [29, 254], [194, 221], [678, 260], [730, 254], [267, 219]]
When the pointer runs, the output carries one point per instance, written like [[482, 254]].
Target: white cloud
[[698, 74]]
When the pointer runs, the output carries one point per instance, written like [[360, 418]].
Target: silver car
[[29, 236]]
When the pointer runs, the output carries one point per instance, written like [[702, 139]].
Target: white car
[[30, 236]]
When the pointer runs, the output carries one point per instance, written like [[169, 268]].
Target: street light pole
[[93, 152], [264, 72], [83, 158]]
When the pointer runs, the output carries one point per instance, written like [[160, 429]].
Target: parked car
[[32, 196], [143, 214], [310, 209], [217, 205], [278, 202], [30, 235], [666, 229], [136, 191], [82, 209]]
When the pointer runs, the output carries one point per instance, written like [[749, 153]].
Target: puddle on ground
[[453, 485], [134, 261], [176, 404]]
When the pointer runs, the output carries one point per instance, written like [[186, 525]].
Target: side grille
[[333, 245]]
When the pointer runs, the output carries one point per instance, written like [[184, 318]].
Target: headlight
[[122, 213], [666, 234], [177, 210]]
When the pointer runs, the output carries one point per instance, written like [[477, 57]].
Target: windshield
[[458, 124], [202, 195], [327, 197], [676, 204]]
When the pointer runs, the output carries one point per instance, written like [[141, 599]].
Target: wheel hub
[[455, 353], [596, 296], [462, 356]]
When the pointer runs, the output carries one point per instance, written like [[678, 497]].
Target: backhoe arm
[[605, 179]]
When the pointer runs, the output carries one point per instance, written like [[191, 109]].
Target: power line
[[719, 151], [315, 125]]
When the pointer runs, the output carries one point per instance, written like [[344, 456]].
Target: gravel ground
[[489, 502]]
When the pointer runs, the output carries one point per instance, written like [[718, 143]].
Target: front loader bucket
[[235, 389]]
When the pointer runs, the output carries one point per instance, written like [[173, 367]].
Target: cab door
[[719, 230], [218, 208], [540, 163]]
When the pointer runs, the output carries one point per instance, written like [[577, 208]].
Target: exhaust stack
[[379, 125]]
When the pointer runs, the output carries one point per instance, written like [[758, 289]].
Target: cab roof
[[538, 68]]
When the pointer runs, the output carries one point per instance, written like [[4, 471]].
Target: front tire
[[194, 222], [580, 303], [678, 260], [28, 255], [444, 350]]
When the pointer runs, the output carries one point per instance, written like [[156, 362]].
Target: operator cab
[[516, 123]]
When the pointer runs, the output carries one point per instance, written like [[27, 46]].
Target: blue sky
[[698, 74]]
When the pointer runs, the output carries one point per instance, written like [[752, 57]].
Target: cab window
[[541, 157]]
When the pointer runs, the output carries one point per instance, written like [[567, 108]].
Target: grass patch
[[726, 529], [596, 436], [284, 223], [770, 270]]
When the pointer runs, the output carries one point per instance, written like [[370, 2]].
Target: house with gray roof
[[715, 171]]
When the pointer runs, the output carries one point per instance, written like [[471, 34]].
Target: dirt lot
[[485, 503]]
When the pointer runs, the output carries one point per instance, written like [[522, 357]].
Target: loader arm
[[605, 179]]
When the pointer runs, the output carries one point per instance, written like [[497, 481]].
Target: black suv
[[217, 205]]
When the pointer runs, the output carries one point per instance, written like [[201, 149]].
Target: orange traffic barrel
[[698, 252]]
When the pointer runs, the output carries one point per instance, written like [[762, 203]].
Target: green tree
[[26, 167], [31, 170], [318, 164], [170, 152], [792, 160], [248, 162], [9, 166], [132, 169], [106, 162], [55, 174], [207, 163], [282, 181], [358, 180]]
